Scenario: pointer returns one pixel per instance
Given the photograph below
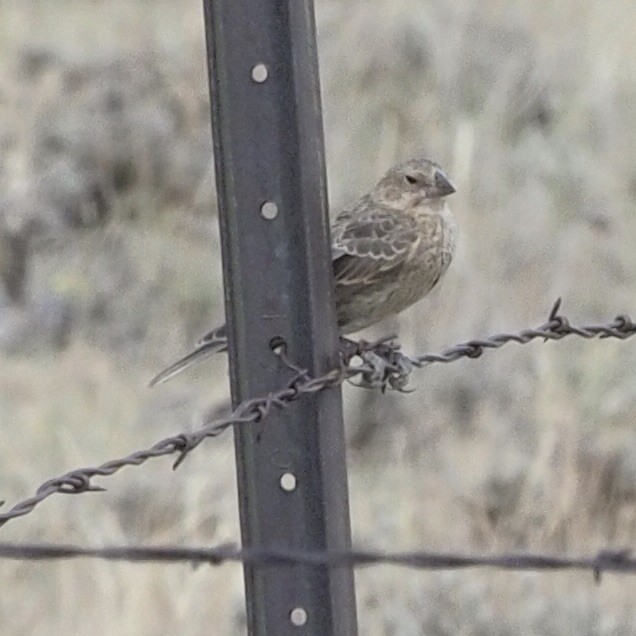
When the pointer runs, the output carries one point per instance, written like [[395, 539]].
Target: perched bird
[[388, 251]]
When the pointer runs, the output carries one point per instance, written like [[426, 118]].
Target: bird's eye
[[410, 179]]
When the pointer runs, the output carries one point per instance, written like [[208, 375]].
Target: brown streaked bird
[[388, 251]]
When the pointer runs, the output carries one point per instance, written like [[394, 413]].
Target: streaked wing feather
[[370, 240]]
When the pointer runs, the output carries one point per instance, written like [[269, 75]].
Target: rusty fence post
[[270, 176]]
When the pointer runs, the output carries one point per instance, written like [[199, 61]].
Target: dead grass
[[105, 138]]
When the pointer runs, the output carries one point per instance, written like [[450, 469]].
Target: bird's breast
[[403, 285]]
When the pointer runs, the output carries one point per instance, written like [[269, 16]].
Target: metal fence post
[[268, 143]]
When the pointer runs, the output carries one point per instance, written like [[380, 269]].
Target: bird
[[389, 249]]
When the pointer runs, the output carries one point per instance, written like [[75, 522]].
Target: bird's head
[[412, 183]]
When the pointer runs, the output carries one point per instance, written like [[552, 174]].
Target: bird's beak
[[443, 185]]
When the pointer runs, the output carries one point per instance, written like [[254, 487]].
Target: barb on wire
[[383, 366], [603, 561]]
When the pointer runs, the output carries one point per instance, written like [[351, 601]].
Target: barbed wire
[[603, 561], [397, 366], [383, 366]]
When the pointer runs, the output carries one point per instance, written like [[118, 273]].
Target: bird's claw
[[384, 366]]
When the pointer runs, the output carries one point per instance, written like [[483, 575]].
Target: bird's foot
[[383, 366]]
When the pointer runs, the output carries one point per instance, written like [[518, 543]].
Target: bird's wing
[[368, 241]]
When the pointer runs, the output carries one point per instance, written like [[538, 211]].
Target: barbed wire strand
[[604, 561], [383, 366]]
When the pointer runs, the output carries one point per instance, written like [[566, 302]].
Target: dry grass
[[105, 138]]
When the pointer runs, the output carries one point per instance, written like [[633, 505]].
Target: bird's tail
[[213, 342]]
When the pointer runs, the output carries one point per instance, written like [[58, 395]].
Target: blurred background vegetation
[[109, 268]]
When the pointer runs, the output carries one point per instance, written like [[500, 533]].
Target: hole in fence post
[[269, 210], [288, 482], [298, 617], [260, 73]]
